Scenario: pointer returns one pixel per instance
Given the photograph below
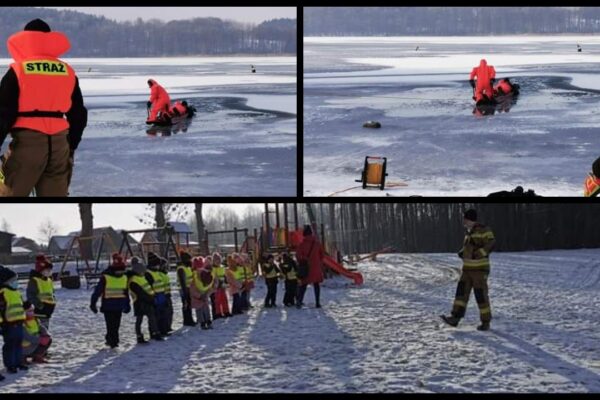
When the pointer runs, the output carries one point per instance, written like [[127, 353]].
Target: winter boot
[[485, 326], [2, 377], [141, 340], [157, 337], [39, 359], [318, 305], [12, 370], [23, 367], [452, 321]]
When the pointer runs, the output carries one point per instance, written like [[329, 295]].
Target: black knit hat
[[153, 260], [186, 258], [307, 230], [596, 168], [471, 215], [37, 25], [6, 274]]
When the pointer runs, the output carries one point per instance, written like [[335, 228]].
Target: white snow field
[[242, 141], [430, 135], [382, 337]]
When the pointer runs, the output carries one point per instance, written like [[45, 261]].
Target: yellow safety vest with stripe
[[288, 272], [45, 288], [219, 273], [202, 288], [116, 287], [249, 272], [14, 305], [32, 327], [272, 273], [159, 284], [475, 257], [189, 275], [238, 274], [166, 281], [142, 282]]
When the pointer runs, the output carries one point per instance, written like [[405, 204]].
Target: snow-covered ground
[[429, 134], [242, 142], [382, 337]]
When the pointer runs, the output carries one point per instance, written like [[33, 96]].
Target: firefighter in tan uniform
[[478, 244]]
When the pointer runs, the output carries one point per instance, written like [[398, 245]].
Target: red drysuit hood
[[32, 43], [482, 64]]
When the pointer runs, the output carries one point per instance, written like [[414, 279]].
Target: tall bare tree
[[46, 230], [199, 224], [87, 230]]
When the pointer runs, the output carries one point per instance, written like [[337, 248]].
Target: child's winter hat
[[153, 260], [6, 275], [197, 263], [137, 267], [42, 263], [117, 262]]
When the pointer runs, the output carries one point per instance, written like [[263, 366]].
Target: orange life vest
[[46, 83], [591, 186], [181, 109], [505, 86]]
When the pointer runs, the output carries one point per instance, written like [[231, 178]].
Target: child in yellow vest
[[202, 286], [12, 315], [40, 290], [36, 339]]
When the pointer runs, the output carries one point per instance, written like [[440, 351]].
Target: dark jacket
[[287, 266], [9, 106], [109, 305], [32, 296], [144, 300], [184, 291]]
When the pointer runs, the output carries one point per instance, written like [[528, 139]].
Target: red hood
[[482, 64], [31, 43]]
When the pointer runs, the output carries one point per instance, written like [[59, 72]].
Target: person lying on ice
[[112, 288], [592, 183], [504, 86], [159, 101], [179, 108], [482, 79], [36, 338]]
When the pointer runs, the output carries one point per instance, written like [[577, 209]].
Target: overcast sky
[[25, 219], [242, 14]]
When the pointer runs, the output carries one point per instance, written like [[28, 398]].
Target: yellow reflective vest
[[188, 275], [159, 284], [202, 288], [288, 272], [273, 273], [166, 282], [142, 282], [14, 305], [116, 287], [45, 288]]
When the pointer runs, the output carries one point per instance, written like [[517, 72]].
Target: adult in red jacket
[[485, 75], [311, 250], [42, 108], [159, 100]]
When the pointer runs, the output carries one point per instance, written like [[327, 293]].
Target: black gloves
[[93, 308], [149, 104], [460, 254], [472, 82], [492, 81]]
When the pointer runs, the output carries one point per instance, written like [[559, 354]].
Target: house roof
[[62, 242], [22, 250], [6, 233], [180, 227]]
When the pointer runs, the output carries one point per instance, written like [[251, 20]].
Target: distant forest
[[93, 36], [434, 21]]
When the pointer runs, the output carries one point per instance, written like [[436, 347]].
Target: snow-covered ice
[[382, 337], [242, 142], [429, 134]]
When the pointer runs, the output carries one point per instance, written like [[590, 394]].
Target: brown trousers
[[38, 161], [476, 280]]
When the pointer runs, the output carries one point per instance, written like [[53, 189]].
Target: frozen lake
[[242, 141], [433, 141]]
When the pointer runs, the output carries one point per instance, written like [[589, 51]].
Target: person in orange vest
[[485, 75], [179, 108], [112, 288], [41, 106], [159, 101], [12, 315], [592, 183], [504, 86], [36, 338]]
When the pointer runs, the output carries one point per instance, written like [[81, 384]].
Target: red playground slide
[[331, 263]]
